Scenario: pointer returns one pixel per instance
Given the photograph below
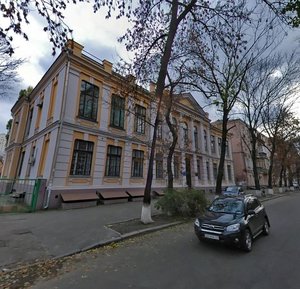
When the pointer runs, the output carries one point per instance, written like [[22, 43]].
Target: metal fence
[[19, 195]]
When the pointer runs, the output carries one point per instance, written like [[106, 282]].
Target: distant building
[[243, 165], [81, 132], [2, 143]]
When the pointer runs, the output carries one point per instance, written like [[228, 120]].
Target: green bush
[[185, 202]]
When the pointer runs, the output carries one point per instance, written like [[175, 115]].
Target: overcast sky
[[98, 36]]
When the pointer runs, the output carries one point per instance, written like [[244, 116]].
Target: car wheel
[[266, 229], [247, 241]]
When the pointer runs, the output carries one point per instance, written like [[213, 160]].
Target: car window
[[231, 206]]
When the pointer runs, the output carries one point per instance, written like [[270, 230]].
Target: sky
[[98, 36]]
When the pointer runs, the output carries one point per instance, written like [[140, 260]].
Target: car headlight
[[232, 228], [197, 223]]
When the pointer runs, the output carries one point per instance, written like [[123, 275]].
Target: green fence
[[19, 195]]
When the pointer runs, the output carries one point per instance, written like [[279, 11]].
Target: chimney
[[107, 66]]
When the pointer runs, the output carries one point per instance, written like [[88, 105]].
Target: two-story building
[[85, 128]]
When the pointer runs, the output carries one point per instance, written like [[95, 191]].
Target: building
[[2, 143], [243, 165], [84, 129]]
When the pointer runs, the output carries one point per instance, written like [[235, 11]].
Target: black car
[[236, 220]]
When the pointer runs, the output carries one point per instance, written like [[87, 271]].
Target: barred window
[[213, 143], [176, 167], [140, 119], [82, 158], [137, 163], [113, 161], [88, 105], [185, 133], [117, 111], [196, 138], [159, 166], [199, 163], [205, 140], [229, 173], [215, 170]]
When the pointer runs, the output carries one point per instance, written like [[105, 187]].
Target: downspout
[[62, 113]]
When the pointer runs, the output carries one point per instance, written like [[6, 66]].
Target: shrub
[[185, 202]]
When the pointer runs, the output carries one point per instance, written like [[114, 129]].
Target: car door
[[253, 219]]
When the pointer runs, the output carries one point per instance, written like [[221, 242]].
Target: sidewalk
[[49, 234]]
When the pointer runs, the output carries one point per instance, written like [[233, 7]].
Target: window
[[82, 158], [207, 171], [159, 166], [215, 170], [28, 124], [159, 131], [227, 149], [196, 138], [199, 168], [185, 133], [205, 140], [117, 111], [113, 161], [213, 144], [21, 163], [137, 163], [176, 167], [219, 144], [229, 172], [88, 105], [140, 118]]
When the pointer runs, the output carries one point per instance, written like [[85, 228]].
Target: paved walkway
[[26, 237]]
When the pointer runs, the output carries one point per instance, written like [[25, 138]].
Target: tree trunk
[[160, 85], [173, 144], [223, 154], [270, 171], [281, 176], [254, 160]]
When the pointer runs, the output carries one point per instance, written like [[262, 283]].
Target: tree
[[280, 125], [219, 64], [269, 81], [8, 71]]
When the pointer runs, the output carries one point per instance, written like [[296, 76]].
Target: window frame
[[137, 165], [113, 161], [117, 112], [85, 112], [140, 119], [86, 154]]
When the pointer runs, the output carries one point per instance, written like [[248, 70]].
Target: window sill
[[117, 127], [87, 119]]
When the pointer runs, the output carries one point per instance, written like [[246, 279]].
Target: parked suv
[[236, 220]]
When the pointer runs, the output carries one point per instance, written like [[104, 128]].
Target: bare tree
[[269, 81], [219, 64], [280, 125], [8, 71]]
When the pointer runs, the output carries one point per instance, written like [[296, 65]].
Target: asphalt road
[[174, 258]]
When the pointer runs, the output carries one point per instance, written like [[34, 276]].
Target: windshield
[[232, 189], [229, 206]]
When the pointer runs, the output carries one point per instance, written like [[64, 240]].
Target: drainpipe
[[62, 113]]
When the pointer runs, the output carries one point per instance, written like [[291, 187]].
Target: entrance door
[[188, 172]]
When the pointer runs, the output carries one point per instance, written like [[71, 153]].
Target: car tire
[[247, 241], [266, 228]]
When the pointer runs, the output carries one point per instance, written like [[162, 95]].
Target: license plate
[[209, 236]]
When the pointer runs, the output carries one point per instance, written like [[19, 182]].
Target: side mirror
[[251, 212]]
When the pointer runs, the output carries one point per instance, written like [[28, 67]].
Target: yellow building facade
[[85, 128]]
